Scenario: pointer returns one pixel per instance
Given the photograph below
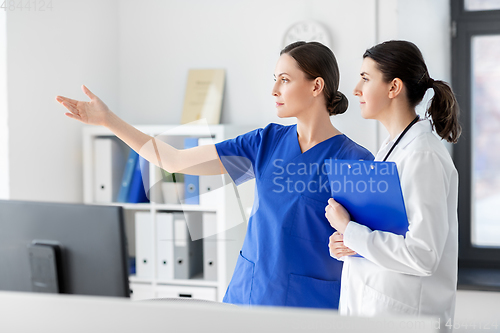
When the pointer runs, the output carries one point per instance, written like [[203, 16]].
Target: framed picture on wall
[[204, 92]]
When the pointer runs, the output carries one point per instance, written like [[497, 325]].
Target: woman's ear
[[395, 88], [319, 85]]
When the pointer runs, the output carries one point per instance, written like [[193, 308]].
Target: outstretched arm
[[202, 160]]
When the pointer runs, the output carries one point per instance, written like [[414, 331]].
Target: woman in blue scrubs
[[283, 261]]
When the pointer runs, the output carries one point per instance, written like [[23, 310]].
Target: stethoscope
[[401, 136]]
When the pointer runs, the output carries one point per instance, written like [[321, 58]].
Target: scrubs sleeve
[[238, 155], [368, 157], [353, 151], [425, 190]]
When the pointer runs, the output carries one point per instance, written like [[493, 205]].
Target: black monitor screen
[[63, 248]]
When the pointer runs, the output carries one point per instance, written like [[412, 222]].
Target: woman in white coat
[[415, 274]]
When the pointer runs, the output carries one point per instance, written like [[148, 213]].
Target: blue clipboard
[[370, 191]]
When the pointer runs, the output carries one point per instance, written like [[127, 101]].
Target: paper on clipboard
[[370, 191]]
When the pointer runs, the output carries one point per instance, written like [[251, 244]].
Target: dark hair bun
[[338, 104]]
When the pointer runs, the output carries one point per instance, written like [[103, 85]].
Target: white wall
[[135, 56], [52, 53], [417, 21], [4, 129], [161, 40], [421, 19]]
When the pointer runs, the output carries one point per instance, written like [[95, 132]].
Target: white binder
[[165, 245], [144, 247], [210, 186], [210, 246], [109, 163], [188, 253]]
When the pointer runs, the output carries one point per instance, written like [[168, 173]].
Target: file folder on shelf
[[127, 176], [370, 191], [139, 183], [109, 161], [188, 254], [210, 187], [143, 245], [165, 245], [210, 246], [191, 182]]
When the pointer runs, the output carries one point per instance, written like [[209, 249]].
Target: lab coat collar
[[422, 126]]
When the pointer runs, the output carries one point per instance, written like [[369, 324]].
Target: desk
[[26, 312], [470, 278]]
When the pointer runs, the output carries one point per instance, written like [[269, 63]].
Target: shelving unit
[[229, 211]]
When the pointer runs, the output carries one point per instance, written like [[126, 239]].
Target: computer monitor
[[63, 248]]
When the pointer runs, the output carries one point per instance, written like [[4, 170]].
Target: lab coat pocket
[[375, 303], [240, 288], [304, 291], [310, 222]]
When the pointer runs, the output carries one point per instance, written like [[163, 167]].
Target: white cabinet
[[205, 293], [227, 213], [141, 291]]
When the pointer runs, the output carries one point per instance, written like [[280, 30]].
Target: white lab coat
[[417, 274]]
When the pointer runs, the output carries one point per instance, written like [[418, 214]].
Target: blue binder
[[370, 191], [191, 182], [127, 176], [137, 192]]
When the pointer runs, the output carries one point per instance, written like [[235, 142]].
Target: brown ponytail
[[444, 112], [317, 60], [403, 60]]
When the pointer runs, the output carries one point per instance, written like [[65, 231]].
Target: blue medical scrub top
[[285, 259]]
